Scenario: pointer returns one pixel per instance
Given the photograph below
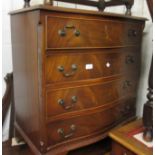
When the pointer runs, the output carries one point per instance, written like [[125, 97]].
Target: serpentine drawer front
[[88, 97], [82, 66], [79, 126], [76, 75], [77, 33]]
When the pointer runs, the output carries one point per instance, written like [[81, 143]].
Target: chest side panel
[[25, 72]]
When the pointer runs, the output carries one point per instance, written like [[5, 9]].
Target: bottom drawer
[[118, 149], [87, 124]]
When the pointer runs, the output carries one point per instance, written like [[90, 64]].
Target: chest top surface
[[77, 11]]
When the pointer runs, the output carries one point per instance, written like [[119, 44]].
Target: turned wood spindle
[[148, 106], [27, 3]]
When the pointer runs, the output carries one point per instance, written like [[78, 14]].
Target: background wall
[[139, 9]]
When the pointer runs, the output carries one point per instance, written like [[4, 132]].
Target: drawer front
[[89, 124], [82, 66], [65, 101], [63, 32]]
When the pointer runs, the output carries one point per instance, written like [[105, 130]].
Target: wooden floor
[[100, 148]]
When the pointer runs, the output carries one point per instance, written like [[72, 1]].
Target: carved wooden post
[[100, 4], [148, 106], [148, 110], [27, 3]]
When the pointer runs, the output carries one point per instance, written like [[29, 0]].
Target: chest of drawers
[[75, 75]]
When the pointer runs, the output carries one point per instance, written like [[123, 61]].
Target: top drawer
[[63, 32]]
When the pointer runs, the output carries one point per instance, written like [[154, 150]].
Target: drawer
[[77, 99], [88, 124], [118, 149], [63, 32], [67, 67]]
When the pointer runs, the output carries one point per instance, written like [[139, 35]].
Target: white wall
[[6, 52], [139, 9]]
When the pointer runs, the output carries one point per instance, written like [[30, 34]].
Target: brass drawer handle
[[63, 32], [62, 103], [127, 84], [62, 133], [132, 33], [62, 70], [130, 59]]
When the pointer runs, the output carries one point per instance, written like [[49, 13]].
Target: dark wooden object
[[71, 89], [102, 4], [7, 96], [8, 102], [122, 144], [148, 106], [150, 6], [27, 3]]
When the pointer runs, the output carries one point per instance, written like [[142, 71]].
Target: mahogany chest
[[75, 75]]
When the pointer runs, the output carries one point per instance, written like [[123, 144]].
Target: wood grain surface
[[120, 136], [90, 33], [51, 48]]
